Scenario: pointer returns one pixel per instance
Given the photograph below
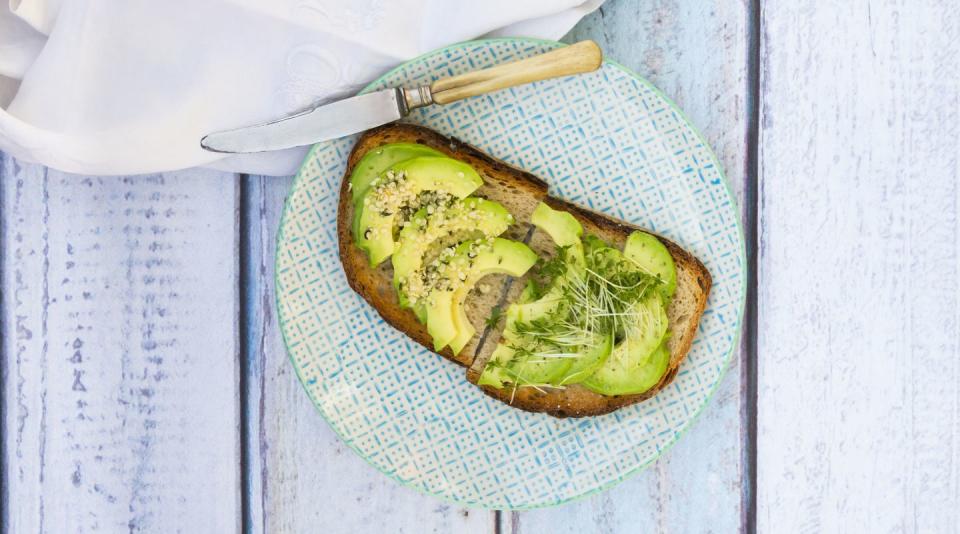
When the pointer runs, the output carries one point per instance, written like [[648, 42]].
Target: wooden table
[[145, 386]]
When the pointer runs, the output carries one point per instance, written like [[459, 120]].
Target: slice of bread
[[520, 192]]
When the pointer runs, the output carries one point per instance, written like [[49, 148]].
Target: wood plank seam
[[245, 355], [253, 289], [45, 305], [4, 494], [749, 379]]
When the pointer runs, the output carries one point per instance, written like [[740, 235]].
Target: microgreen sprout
[[598, 297]]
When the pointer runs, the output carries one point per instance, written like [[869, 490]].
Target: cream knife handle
[[578, 58]]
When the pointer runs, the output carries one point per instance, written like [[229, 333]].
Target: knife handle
[[578, 58]]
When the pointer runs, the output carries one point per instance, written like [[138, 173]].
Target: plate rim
[[622, 475]]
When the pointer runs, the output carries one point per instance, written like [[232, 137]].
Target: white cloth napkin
[[130, 86]]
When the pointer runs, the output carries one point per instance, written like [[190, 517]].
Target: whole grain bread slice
[[517, 190], [684, 312], [520, 192]]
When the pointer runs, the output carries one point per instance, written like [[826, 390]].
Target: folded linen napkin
[[130, 86]]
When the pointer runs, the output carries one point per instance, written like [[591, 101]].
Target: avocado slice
[[651, 256], [518, 360], [374, 163], [377, 160], [641, 378], [542, 368], [512, 365], [400, 187], [471, 261], [496, 371], [565, 231], [465, 329], [530, 311], [470, 217], [636, 363], [589, 360], [528, 294]]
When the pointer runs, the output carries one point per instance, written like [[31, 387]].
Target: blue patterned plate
[[608, 140]]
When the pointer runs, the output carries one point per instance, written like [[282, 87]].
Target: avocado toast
[[453, 247]]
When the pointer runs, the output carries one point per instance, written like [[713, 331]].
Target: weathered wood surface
[[120, 341], [859, 364], [122, 400]]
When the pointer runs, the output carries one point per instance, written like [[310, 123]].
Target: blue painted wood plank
[[859, 294], [120, 388]]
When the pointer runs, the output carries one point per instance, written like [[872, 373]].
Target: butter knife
[[362, 112]]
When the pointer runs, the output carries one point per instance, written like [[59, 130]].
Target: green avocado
[[421, 313], [564, 229], [590, 359], [525, 312], [652, 257], [641, 378], [542, 368], [400, 187], [468, 218], [471, 261], [496, 373], [636, 363], [508, 365], [520, 361], [528, 294], [375, 162], [521, 259]]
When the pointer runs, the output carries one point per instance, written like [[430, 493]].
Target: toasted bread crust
[[503, 181], [375, 284]]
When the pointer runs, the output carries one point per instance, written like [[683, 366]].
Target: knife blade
[[338, 119], [362, 112]]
